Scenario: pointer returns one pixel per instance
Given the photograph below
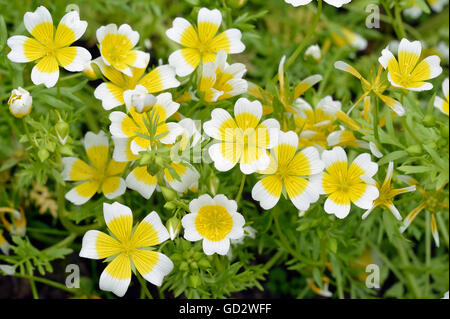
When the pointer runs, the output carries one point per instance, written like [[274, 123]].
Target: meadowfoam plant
[[216, 149]]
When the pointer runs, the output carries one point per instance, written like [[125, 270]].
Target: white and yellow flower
[[387, 194], [220, 80], [133, 125], [345, 37], [242, 139], [201, 44], [345, 184], [289, 172], [139, 98], [127, 248], [314, 52], [408, 73], [101, 174], [144, 182], [439, 102], [335, 3], [316, 125], [415, 11], [116, 48], [20, 102], [111, 93], [49, 48], [215, 221]]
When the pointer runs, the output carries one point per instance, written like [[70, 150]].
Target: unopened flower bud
[[146, 158], [62, 131], [195, 281], [414, 150], [20, 102], [43, 154], [173, 225], [139, 98], [89, 71], [429, 120], [168, 193], [236, 4]]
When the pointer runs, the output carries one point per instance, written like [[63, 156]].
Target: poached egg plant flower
[[215, 221], [101, 174], [49, 48], [409, 72], [345, 184], [20, 102], [289, 171], [242, 139], [116, 48], [201, 44], [222, 81], [111, 93], [127, 247]]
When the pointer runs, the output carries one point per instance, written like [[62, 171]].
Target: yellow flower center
[[213, 222]]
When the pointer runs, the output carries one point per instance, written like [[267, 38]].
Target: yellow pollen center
[[213, 222]]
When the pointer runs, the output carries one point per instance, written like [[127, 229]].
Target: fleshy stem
[[31, 87], [427, 250], [46, 282], [241, 189], [410, 278], [144, 286], [376, 123], [399, 21], [305, 40]]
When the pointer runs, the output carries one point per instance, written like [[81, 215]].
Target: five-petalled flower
[[201, 44], [344, 184], [242, 139], [289, 170], [127, 248], [50, 49], [408, 73], [215, 221], [102, 174]]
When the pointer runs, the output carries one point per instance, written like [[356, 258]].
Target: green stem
[[305, 40], [410, 132], [31, 280], [31, 87], [376, 123], [272, 261], [427, 250], [410, 278], [144, 286], [241, 188], [399, 21], [442, 229], [45, 281], [27, 132]]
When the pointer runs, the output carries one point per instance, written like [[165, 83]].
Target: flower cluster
[[291, 143]]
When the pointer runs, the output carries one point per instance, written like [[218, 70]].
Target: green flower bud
[[50, 146], [429, 120], [195, 281], [170, 206], [214, 183], [236, 4], [66, 150], [204, 263], [198, 255], [184, 266], [43, 154], [62, 131], [194, 266], [173, 225], [146, 158], [168, 193], [414, 150]]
